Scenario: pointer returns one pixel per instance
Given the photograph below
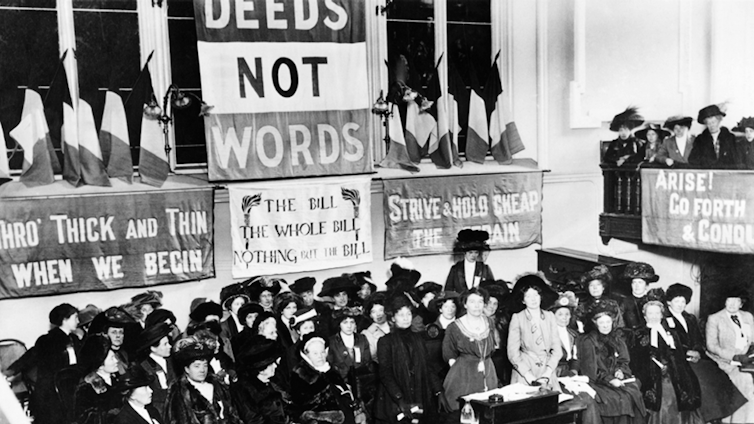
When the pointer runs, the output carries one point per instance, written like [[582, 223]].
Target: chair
[[11, 350], [66, 381]]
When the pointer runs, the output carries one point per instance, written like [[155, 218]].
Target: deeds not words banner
[[283, 227], [424, 215], [100, 242], [698, 209], [288, 82]]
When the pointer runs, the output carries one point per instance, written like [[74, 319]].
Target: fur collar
[[306, 372], [97, 382]]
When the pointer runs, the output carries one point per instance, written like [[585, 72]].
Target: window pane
[[29, 52], [190, 144]]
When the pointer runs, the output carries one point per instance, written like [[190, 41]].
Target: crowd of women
[[274, 353]]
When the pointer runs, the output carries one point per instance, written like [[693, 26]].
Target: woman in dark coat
[[258, 400], [96, 398], [471, 270], [232, 299], [406, 380], [596, 283], [285, 306], [670, 388], [155, 349], [138, 407]]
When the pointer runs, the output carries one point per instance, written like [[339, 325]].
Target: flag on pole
[[33, 136], [90, 153], [439, 146], [420, 128], [113, 137], [62, 122], [456, 94], [4, 166], [504, 138], [153, 160], [477, 135], [397, 154]]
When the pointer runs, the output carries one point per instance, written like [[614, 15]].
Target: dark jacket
[[746, 149], [228, 330], [96, 402], [257, 402], [284, 334], [456, 280], [618, 148], [159, 394], [51, 356], [128, 415], [703, 153], [405, 376], [692, 339], [318, 397], [185, 405], [340, 360]]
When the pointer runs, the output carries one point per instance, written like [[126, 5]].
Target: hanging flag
[[397, 154], [153, 160], [477, 136], [34, 137], [61, 120], [90, 153], [420, 128], [4, 166], [439, 146], [113, 137], [456, 94], [504, 137]]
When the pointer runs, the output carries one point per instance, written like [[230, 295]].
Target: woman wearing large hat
[[258, 399], [626, 148], [144, 304], [596, 284], [197, 396], [675, 150], [342, 291], [470, 271], [139, 407], [730, 334], [248, 315], [746, 126], [651, 136], [155, 349], [96, 395], [715, 147], [232, 298], [639, 276], [122, 330], [262, 290]]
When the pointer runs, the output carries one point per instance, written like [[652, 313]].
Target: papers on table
[[510, 392]]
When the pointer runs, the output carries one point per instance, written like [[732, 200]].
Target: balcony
[[621, 216]]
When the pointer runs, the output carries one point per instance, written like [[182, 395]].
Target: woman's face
[[679, 130], [365, 291], [269, 329], [653, 314], [236, 304], [378, 314], [428, 298], [677, 304], [491, 306], [110, 365], [474, 305], [70, 323], [145, 310], [638, 287], [448, 309], [197, 370], [265, 299], [749, 133], [624, 132], [289, 310], [532, 299], [116, 336], [596, 289], [563, 317], [403, 317], [471, 256], [348, 326], [317, 353], [163, 349], [250, 319], [341, 299], [604, 324], [308, 297], [713, 123], [268, 372], [652, 136], [733, 304], [142, 395], [306, 327]]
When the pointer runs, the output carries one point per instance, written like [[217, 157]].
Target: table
[[538, 409]]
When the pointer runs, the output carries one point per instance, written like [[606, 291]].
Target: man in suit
[[470, 271], [677, 148], [715, 147]]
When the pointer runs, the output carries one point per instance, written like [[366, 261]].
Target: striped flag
[[4, 167], [113, 137], [504, 138], [456, 94], [439, 145], [34, 137], [397, 154], [420, 128], [61, 121], [90, 153], [477, 136]]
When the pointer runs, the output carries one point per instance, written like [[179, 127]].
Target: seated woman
[[533, 341], [138, 408], [670, 388], [652, 136], [730, 334], [604, 359], [318, 392], [406, 380], [720, 398], [96, 395], [596, 283], [626, 148], [197, 396], [258, 400], [497, 310]]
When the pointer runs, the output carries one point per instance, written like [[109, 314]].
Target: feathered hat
[[745, 122], [471, 240], [629, 118]]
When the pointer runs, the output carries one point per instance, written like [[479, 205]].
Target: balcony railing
[[621, 216]]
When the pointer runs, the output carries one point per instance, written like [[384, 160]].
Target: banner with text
[[288, 82], [101, 242], [283, 227], [695, 209], [424, 215]]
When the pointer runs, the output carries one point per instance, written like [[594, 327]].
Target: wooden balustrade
[[621, 216]]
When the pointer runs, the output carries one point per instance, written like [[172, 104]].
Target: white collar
[[444, 322], [385, 327], [106, 376], [348, 340], [162, 362]]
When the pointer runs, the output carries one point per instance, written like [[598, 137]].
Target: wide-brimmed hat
[[87, 314], [599, 272], [303, 285], [152, 335], [256, 288], [112, 317], [134, 378], [706, 112], [599, 309], [681, 120], [283, 299], [203, 310], [499, 290], [427, 287], [471, 240], [255, 357], [738, 291], [335, 285], [94, 352], [629, 118], [436, 303], [640, 270], [361, 278], [188, 350], [230, 292], [341, 314], [565, 300], [526, 281], [678, 290], [745, 122], [305, 314], [661, 133], [149, 297], [249, 308], [159, 315], [403, 274]]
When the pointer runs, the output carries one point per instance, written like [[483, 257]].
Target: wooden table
[[538, 409]]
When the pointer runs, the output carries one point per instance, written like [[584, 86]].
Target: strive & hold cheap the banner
[[306, 225], [288, 82], [424, 215], [698, 209], [108, 241]]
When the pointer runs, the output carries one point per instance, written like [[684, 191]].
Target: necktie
[[717, 148], [736, 320]]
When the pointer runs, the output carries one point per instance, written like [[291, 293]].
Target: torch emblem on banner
[[247, 205], [353, 196]]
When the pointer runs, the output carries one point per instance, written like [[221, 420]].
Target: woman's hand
[[616, 383], [619, 375], [693, 356]]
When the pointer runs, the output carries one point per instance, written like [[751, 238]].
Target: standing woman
[[96, 397], [533, 341], [285, 306], [248, 315], [497, 309], [155, 348], [232, 298], [405, 376], [374, 309], [467, 348], [470, 271], [262, 290], [342, 291]]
